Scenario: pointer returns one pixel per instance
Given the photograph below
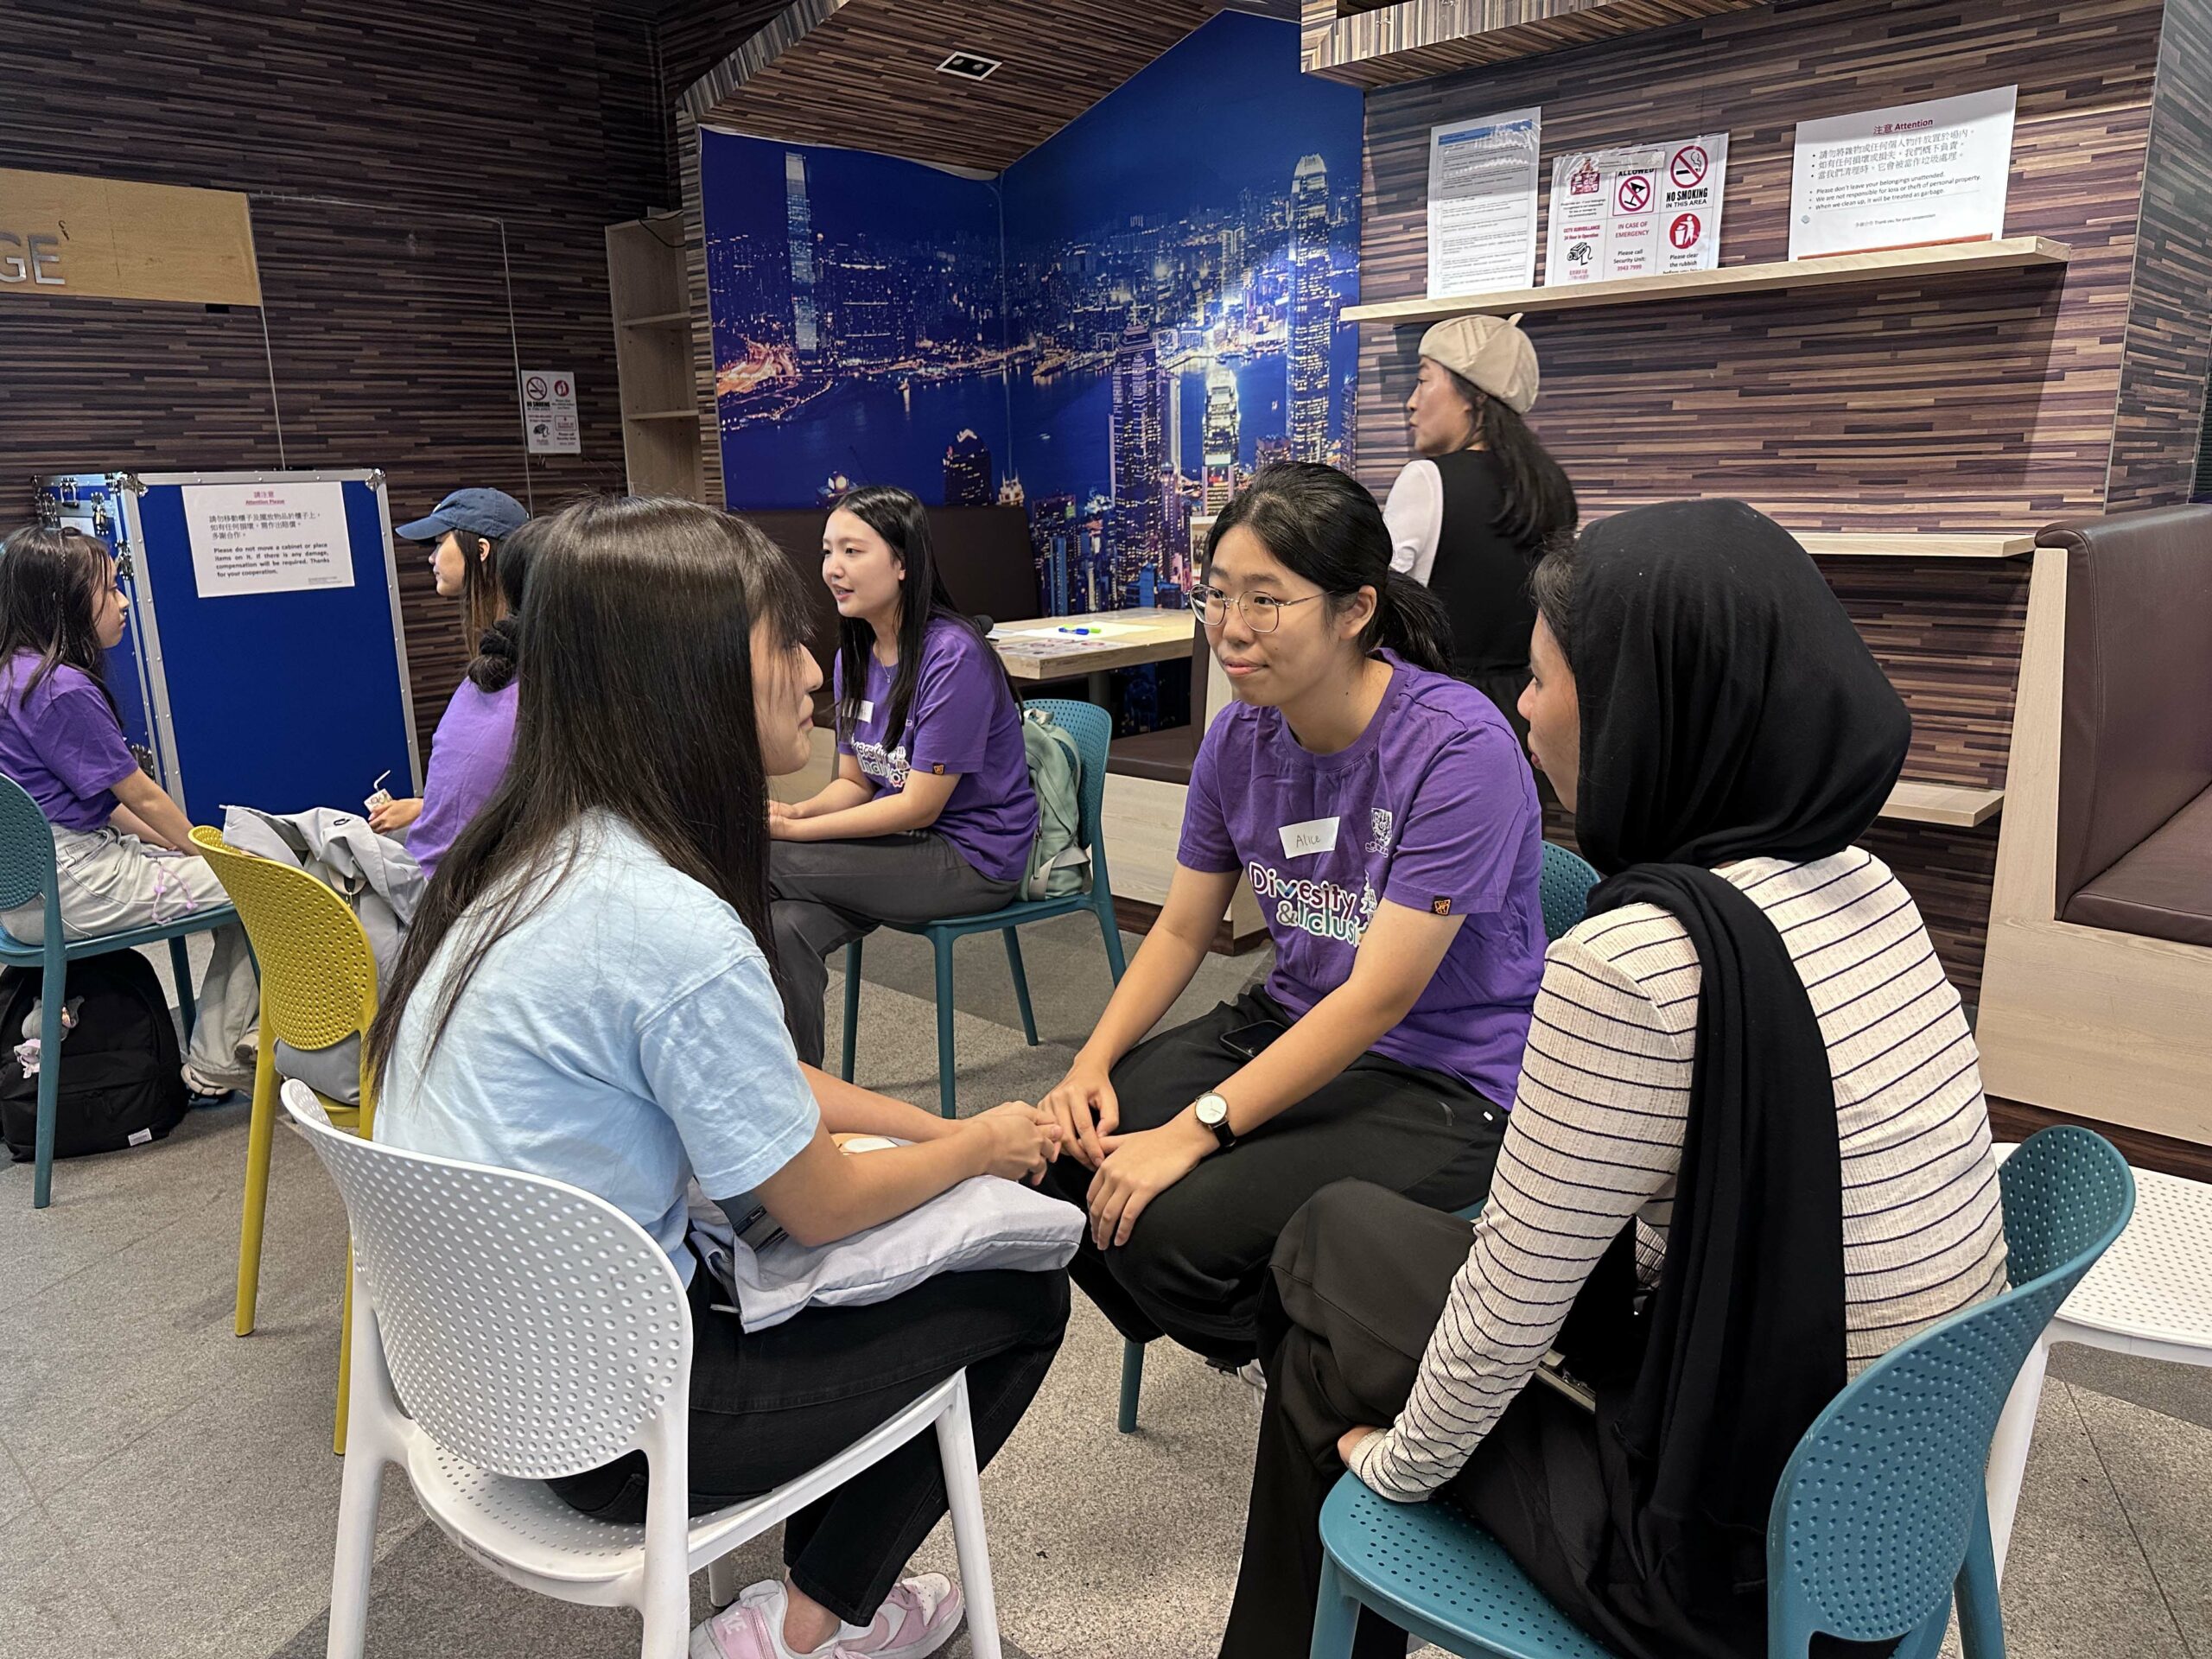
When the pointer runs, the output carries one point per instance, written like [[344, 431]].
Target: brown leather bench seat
[[2134, 843], [2162, 889]]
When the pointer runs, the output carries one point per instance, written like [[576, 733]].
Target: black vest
[[1480, 578]]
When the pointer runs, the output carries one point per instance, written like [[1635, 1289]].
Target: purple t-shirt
[[63, 743], [469, 756], [963, 721], [1431, 808]]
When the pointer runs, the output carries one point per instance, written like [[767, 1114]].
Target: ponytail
[[1324, 525], [493, 669], [1411, 621]]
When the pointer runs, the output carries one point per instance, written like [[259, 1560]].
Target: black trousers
[[1196, 1265], [768, 1406], [1359, 1282]]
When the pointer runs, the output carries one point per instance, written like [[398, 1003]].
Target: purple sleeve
[[1205, 845], [468, 756], [956, 696], [77, 736], [1464, 828]]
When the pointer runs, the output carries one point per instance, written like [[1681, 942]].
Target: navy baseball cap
[[493, 513]]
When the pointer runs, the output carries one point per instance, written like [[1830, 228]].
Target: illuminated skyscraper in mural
[[1311, 316], [966, 472], [799, 228], [1220, 438], [1140, 532]]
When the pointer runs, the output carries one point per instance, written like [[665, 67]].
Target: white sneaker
[[917, 1619]]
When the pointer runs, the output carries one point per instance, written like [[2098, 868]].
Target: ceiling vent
[[969, 66]]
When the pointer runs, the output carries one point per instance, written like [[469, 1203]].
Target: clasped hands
[[1131, 1170]]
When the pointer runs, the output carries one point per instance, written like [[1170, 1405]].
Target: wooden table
[[1051, 648]]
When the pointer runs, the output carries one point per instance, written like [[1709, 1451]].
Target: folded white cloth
[[983, 1224]]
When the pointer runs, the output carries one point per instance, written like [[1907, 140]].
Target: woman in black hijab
[[1749, 1154]]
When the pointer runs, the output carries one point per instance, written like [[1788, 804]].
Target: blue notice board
[[280, 699]]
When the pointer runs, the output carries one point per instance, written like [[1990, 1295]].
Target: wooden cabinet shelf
[[1954, 805], [2010, 253], [652, 356]]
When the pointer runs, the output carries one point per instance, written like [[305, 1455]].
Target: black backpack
[[122, 1084]]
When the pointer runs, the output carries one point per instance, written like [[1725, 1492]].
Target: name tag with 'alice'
[[1314, 835]]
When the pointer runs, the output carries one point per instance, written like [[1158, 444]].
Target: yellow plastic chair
[[318, 986]]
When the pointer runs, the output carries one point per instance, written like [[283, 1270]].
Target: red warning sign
[[1635, 194], [1683, 232], [1688, 167]]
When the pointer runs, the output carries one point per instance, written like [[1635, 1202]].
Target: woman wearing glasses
[[1389, 827]]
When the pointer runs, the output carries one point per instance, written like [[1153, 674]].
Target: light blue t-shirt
[[624, 1037]]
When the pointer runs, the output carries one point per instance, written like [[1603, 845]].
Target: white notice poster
[[549, 412], [1482, 203], [1906, 177], [267, 538], [1636, 211]]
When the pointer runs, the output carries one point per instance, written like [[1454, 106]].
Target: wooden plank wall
[[415, 171], [2162, 392], [1976, 404]]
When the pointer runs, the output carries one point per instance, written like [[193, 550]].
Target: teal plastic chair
[[1092, 728], [1564, 888], [1879, 1520], [27, 872]]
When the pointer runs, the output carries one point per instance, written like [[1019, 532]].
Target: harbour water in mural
[[1115, 331]]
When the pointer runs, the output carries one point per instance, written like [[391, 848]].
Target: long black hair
[[900, 519], [493, 669], [1323, 524], [52, 578], [637, 629], [1539, 502]]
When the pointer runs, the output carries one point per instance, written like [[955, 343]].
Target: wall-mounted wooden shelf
[[1912, 544], [664, 320], [2011, 253], [1954, 805], [1412, 39]]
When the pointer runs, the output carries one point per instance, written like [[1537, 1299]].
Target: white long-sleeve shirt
[[1595, 1138], [1414, 512]]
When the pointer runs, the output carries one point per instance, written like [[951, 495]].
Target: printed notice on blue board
[[279, 538]]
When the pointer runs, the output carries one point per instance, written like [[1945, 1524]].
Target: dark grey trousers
[[826, 893]]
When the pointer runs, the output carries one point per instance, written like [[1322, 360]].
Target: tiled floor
[[166, 1489]]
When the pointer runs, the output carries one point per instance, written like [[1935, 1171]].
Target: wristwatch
[[1212, 1113]]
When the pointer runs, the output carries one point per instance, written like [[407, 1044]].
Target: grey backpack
[[1060, 864]]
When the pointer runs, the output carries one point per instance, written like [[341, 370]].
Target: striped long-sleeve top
[[1595, 1139]]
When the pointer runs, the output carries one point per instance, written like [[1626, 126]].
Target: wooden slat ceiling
[[1386, 44], [863, 73]]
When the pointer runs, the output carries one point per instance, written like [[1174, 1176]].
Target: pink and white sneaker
[[917, 1619]]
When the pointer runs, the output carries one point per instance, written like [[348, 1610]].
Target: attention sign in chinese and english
[[267, 538], [1912, 176]]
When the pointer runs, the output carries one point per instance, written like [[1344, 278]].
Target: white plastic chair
[[533, 1330], [2150, 1295]]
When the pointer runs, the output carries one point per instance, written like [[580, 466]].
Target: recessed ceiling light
[[969, 66]]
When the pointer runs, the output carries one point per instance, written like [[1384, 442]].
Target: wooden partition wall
[[1982, 405]]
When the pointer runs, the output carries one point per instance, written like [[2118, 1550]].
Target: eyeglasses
[[1263, 612]]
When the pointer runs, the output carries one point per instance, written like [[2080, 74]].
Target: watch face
[[1213, 1111]]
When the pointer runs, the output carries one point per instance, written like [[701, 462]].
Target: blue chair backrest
[[1092, 728], [26, 847], [1878, 1506], [1568, 879]]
